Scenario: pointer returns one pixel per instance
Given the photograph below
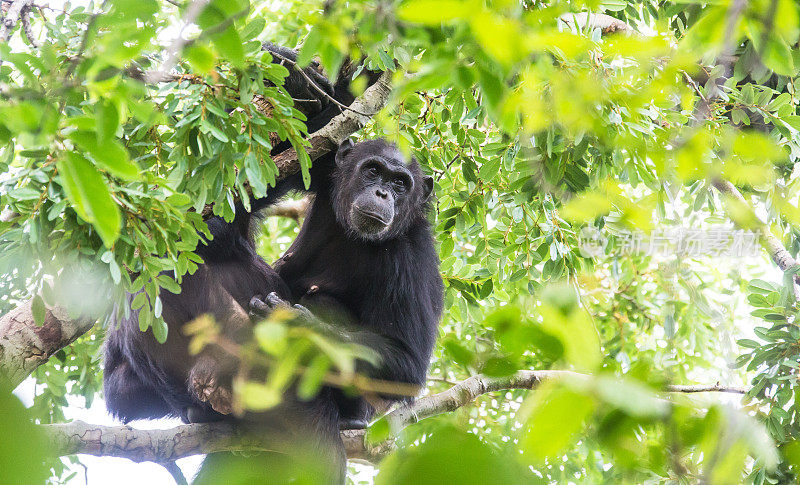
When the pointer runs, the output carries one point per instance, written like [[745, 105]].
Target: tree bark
[[24, 346]]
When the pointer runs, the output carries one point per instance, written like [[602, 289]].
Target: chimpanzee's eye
[[399, 184], [372, 169]]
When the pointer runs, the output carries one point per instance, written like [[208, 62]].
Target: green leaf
[[490, 169], [110, 155], [613, 5], [632, 397], [160, 330], [201, 58], [90, 196], [39, 310], [24, 193], [179, 199], [253, 28], [229, 46], [22, 444], [313, 376], [216, 132], [777, 56], [558, 415], [450, 455], [577, 334], [258, 397], [168, 284], [254, 175], [107, 117], [434, 12], [139, 300]]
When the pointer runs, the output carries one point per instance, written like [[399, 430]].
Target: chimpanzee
[[365, 258], [364, 265]]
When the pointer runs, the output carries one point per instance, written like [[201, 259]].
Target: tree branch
[[11, 18], [189, 17], [25, 19], [293, 209], [606, 23], [163, 446], [24, 346], [313, 84], [770, 243], [328, 138]]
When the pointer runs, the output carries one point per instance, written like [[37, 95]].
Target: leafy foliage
[[535, 125]]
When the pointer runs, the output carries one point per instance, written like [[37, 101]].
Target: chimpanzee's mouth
[[374, 216]]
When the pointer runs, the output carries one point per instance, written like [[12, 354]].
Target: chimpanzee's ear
[[427, 186], [341, 152]]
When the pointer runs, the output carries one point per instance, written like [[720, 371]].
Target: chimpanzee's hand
[[260, 309]]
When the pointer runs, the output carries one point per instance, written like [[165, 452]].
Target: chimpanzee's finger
[[259, 306], [303, 311], [275, 301]]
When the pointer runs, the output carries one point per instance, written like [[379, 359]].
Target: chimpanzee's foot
[[353, 423], [207, 389], [196, 414]]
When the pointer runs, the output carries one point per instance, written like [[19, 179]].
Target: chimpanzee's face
[[377, 191]]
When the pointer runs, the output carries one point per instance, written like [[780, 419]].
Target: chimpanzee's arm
[[404, 349]]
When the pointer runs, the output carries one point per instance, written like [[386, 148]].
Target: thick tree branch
[[703, 111], [163, 446], [606, 23], [24, 346]]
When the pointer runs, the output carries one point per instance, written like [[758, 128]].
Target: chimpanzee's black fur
[[365, 254]]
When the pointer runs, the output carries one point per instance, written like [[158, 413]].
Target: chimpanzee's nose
[[382, 193]]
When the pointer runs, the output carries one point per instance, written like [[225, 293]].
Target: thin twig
[[158, 76], [26, 27], [314, 85], [715, 388], [176, 472], [189, 17], [73, 63]]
